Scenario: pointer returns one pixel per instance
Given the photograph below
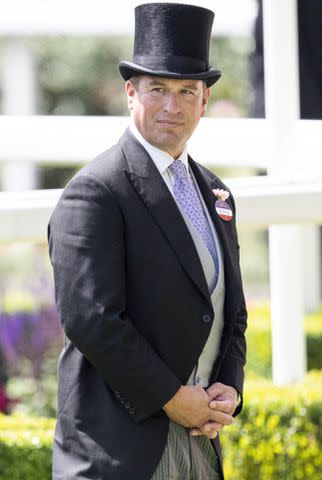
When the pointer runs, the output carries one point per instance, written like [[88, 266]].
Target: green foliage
[[79, 76], [230, 55], [25, 447], [259, 357], [278, 434]]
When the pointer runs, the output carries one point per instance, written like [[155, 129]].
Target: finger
[[209, 430], [221, 417], [216, 389], [226, 396], [226, 406], [212, 435], [219, 391], [211, 426], [209, 433], [194, 432]]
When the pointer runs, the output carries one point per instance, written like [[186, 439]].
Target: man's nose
[[171, 103]]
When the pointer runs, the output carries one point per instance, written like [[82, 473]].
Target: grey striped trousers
[[186, 457]]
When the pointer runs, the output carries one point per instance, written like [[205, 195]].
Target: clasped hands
[[204, 411]]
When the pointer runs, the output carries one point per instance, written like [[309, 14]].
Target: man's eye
[[157, 89], [187, 92]]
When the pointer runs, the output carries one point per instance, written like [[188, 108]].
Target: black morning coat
[[134, 304]]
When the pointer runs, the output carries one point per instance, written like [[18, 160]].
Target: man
[[147, 279]]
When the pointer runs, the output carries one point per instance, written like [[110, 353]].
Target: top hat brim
[[130, 69]]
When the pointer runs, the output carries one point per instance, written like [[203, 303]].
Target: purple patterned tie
[[188, 199]]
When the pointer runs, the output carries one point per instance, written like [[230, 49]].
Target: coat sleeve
[[232, 368], [86, 246]]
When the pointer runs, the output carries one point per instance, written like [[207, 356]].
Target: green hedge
[[259, 357], [25, 447], [278, 435]]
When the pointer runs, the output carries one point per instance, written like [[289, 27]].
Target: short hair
[[135, 80]]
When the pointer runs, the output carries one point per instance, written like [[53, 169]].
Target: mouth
[[170, 123]]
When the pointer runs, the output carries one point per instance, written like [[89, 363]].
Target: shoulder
[[95, 184], [109, 166], [105, 171], [105, 167]]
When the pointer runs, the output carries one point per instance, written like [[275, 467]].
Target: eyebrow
[[154, 83]]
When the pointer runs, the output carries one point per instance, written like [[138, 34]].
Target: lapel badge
[[222, 208]]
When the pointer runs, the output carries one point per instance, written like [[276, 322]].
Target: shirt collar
[[161, 159]]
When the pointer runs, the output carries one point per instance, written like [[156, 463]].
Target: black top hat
[[171, 40]]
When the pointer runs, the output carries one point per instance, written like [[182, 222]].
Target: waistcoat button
[[206, 318]]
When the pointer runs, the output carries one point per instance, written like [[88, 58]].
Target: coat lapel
[[206, 185], [227, 236], [150, 186]]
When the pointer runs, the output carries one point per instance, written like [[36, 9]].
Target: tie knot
[[178, 168]]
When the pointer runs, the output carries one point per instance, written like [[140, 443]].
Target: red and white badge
[[222, 208]]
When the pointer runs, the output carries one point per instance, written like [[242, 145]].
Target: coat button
[[206, 318], [122, 400], [132, 411], [117, 394], [127, 405]]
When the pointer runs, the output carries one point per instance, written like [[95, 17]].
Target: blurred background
[[54, 66]]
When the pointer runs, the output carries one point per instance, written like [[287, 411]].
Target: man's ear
[[205, 98], [130, 92]]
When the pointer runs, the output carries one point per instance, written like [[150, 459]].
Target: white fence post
[[287, 303], [282, 111], [19, 91]]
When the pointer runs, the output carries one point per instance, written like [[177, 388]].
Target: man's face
[[166, 111]]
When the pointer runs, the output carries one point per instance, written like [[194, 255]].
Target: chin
[[170, 137]]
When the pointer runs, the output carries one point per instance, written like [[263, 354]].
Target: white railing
[[261, 201], [62, 139], [221, 142]]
